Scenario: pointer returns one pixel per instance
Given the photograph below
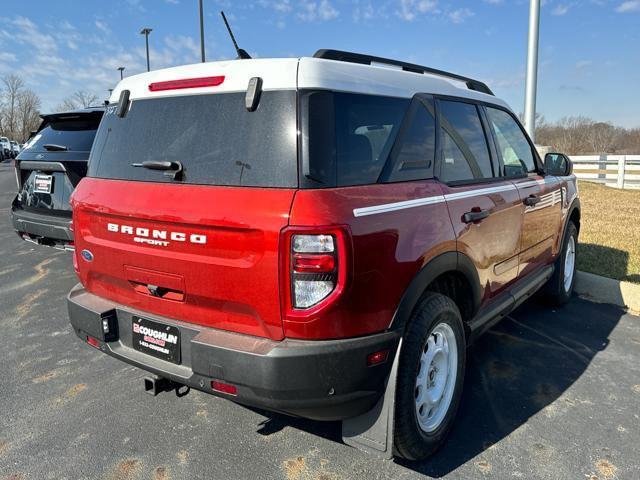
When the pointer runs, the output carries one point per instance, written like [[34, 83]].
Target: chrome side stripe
[[419, 202], [391, 207], [533, 183], [479, 191]]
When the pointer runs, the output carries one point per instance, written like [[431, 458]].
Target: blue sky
[[589, 49]]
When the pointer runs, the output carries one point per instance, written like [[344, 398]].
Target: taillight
[[315, 266]]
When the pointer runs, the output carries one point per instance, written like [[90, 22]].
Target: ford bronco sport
[[318, 236]]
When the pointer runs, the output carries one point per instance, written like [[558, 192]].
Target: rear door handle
[[475, 216], [531, 200]]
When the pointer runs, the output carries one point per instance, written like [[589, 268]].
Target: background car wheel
[[430, 377], [560, 286]]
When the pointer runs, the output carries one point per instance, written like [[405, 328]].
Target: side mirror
[[557, 164]]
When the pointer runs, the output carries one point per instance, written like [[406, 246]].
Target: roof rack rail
[[360, 58]]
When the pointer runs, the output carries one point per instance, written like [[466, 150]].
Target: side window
[[412, 158], [365, 128], [516, 152], [465, 153], [347, 137]]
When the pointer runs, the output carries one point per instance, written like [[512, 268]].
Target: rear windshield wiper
[[55, 148], [172, 169]]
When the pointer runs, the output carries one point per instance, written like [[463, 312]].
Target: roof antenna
[[242, 54]]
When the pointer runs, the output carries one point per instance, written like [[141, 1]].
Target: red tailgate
[[201, 254]]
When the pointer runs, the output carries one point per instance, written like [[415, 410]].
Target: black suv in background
[[47, 171]]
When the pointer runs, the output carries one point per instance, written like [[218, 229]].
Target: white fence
[[620, 171]]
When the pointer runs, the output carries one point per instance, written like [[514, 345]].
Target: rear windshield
[[215, 138], [347, 137], [75, 133]]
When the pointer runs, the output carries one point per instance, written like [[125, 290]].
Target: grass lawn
[[609, 243]]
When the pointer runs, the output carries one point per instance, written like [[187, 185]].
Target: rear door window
[[516, 152], [465, 152], [214, 137], [347, 137]]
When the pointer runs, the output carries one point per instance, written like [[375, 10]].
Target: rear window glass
[[76, 134], [348, 137], [214, 137]]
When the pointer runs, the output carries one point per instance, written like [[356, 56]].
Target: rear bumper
[[320, 380], [42, 228]]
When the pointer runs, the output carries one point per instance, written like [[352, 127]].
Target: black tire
[[555, 290], [410, 440]]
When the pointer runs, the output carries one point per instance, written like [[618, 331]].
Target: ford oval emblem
[[87, 255]]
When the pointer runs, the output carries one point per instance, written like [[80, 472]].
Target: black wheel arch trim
[[575, 205], [443, 263]]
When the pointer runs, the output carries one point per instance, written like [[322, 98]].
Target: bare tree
[[582, 135], [80, 99], [601, 137], [28, 114], [13, 87]]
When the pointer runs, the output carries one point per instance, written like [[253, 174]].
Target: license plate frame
[[157, 339], [43, 183]]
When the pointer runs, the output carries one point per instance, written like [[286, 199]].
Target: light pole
[[146, 32], [121, 69], [201, 32], [532, 70]]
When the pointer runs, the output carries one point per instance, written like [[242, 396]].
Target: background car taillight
[[315, 266]]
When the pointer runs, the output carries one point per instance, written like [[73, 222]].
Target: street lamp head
[[146, 31], [120, 68]]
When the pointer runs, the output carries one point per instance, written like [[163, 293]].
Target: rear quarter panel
[[388, 251]]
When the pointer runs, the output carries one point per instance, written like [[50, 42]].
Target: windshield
[[75, 134], [215, 139]]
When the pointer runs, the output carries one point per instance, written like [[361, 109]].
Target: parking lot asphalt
[[552, 394]]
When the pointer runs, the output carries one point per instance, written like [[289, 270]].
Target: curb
[[606, 290]]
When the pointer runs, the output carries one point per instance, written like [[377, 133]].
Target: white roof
[[301, 73]]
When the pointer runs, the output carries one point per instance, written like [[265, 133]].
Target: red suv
[[318, 236]]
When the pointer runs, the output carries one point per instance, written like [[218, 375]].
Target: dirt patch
[[127, 469], [606, 468], [72, 393], [636, 388], [182, 456], [4, 446], [41, 272], [46, 377], [27, 304], [295, 468], [484, 467], [14, 476], [161, 473]]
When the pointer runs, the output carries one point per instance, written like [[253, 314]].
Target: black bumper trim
[[320, 380], [51, 227]]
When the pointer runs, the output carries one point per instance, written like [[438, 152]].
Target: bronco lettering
[[155, 237]]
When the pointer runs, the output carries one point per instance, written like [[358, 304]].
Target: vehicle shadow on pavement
[[515, 370], [518, 368]]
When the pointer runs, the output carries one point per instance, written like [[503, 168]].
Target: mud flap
[[372, 432]]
